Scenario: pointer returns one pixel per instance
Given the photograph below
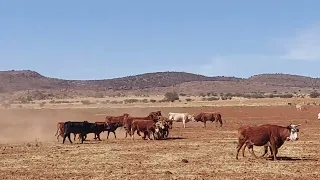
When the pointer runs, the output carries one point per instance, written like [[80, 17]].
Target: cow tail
[[57, 130]]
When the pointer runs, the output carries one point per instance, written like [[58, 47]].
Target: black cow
[[112, 127], [81, 128]]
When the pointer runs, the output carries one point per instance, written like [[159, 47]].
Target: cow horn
[[299, 125]]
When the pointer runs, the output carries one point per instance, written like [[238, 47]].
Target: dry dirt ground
[[29, 150]]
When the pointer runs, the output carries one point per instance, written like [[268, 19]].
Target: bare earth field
[[29, 150]]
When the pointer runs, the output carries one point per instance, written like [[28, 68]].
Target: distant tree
[[171, 96]]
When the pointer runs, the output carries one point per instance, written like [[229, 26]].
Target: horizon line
[[155, 72]]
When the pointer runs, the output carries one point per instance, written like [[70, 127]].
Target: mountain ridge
[[22, 80]]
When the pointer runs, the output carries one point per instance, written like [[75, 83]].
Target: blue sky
[[107, 38]]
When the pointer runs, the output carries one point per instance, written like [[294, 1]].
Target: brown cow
[[60, 131], [117, 119], [266, 135], [145, 126], [156, 113], [208, 116], [128, 121]]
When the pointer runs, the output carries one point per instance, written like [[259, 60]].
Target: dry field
[[29, 149]]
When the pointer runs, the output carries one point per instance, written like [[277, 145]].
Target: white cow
[[301, 107], [181, 117], [318, 116]]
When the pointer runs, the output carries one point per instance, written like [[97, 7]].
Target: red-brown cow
[[128, 121], [116, 119], [266, 135], [145, 126], [208, 116], [156, 113]]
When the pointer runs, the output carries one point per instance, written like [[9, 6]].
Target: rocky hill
[[158, 82]]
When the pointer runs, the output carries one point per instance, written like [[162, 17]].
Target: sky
[[101, 39]]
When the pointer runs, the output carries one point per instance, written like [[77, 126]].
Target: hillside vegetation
[[35, 85]]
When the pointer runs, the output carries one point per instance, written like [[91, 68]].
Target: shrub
[[116, 102], [212, 99], [171, 96], [144, 101], [86, 102], [182, 94], [153, 101], [163, 100], [24, 100], [314, 94], [257, 96], [98, 95], [127, 101], [42, 104], [105, 102], [271, 96], [286, 96], [189, 99], [224, 98]]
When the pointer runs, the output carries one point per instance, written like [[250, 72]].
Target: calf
[[161, 130], [167, 125], [208, 116], [112, 127], [82, 128], [266, 135], [145, 126]]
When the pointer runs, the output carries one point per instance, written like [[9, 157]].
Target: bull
[[208, 116]]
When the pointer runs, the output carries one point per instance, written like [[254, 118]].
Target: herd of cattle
[[267, 135], [154, 124]]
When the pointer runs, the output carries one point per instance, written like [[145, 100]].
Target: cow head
[[159, 126], [191, 118], [169, 124], [319, 116], [293, 132]]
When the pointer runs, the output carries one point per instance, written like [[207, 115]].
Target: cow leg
[[132, 134], [108, 135], [82, 137], [144, 135], [184, 123], [250, 148], [98, 136], [64, 138], [265, 151], [239, 146], [114, 134], [274, 150], [204, 123], [220, 121], [243, 150], [149, 135], [69, 137]]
